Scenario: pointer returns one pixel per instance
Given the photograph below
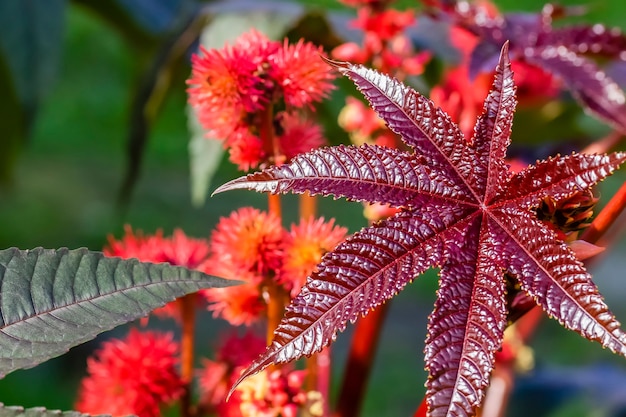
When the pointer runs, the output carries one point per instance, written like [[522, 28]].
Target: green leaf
[[205, 155], [11, 124], [31, 40], [52, 300], [31, 37], [16, 411], [151, 93]]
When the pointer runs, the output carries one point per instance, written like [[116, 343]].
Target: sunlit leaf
[[460, 209]]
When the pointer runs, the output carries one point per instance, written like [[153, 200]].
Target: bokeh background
[[76, 78]]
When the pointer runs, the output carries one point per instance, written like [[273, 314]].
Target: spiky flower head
[[305, 244], [246, 246], [135, 375], [234, 89]]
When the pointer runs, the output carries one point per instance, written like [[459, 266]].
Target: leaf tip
[[249, 371], [340, 66], [236, 184], [504, 55]]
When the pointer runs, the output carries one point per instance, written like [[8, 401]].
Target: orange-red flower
[[135, 375], [245, 149], [136, 245], [239, 305], [227, 84], [246, 246], [305, 245], [302, 75], [235, 89], [248, 241]]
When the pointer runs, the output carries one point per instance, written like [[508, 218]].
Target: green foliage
[[36, 412], [53, 300]]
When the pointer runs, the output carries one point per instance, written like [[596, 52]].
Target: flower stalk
[[187, 342]]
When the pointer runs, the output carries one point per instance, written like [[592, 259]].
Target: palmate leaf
[[476, 230], [52, 300]]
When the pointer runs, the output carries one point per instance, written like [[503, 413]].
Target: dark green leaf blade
[[16, 411], [52, 300]]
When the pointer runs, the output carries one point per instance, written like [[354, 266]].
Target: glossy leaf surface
[[460, 210], [52, 300]]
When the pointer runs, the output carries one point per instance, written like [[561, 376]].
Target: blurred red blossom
[[302, 76], [364, 126], [299, 134], [278, 394], [386, 46], [135, 375]]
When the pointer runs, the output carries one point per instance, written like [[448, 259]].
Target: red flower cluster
[[235, 88], [217, 376], [253, 247], [277, 394], [135, 375], [385, 43], [177, 250], [462, 96]]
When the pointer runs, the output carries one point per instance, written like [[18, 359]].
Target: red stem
[[360, 360], [308, 206], [274, 294], [187, 306]]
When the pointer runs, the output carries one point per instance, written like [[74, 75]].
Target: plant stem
[[273, 293], [188, 318], [275, 297], [308, 206], [319, 365], [360, 361], [606, 217]]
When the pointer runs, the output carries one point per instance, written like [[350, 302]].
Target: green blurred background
[[68, 171]]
